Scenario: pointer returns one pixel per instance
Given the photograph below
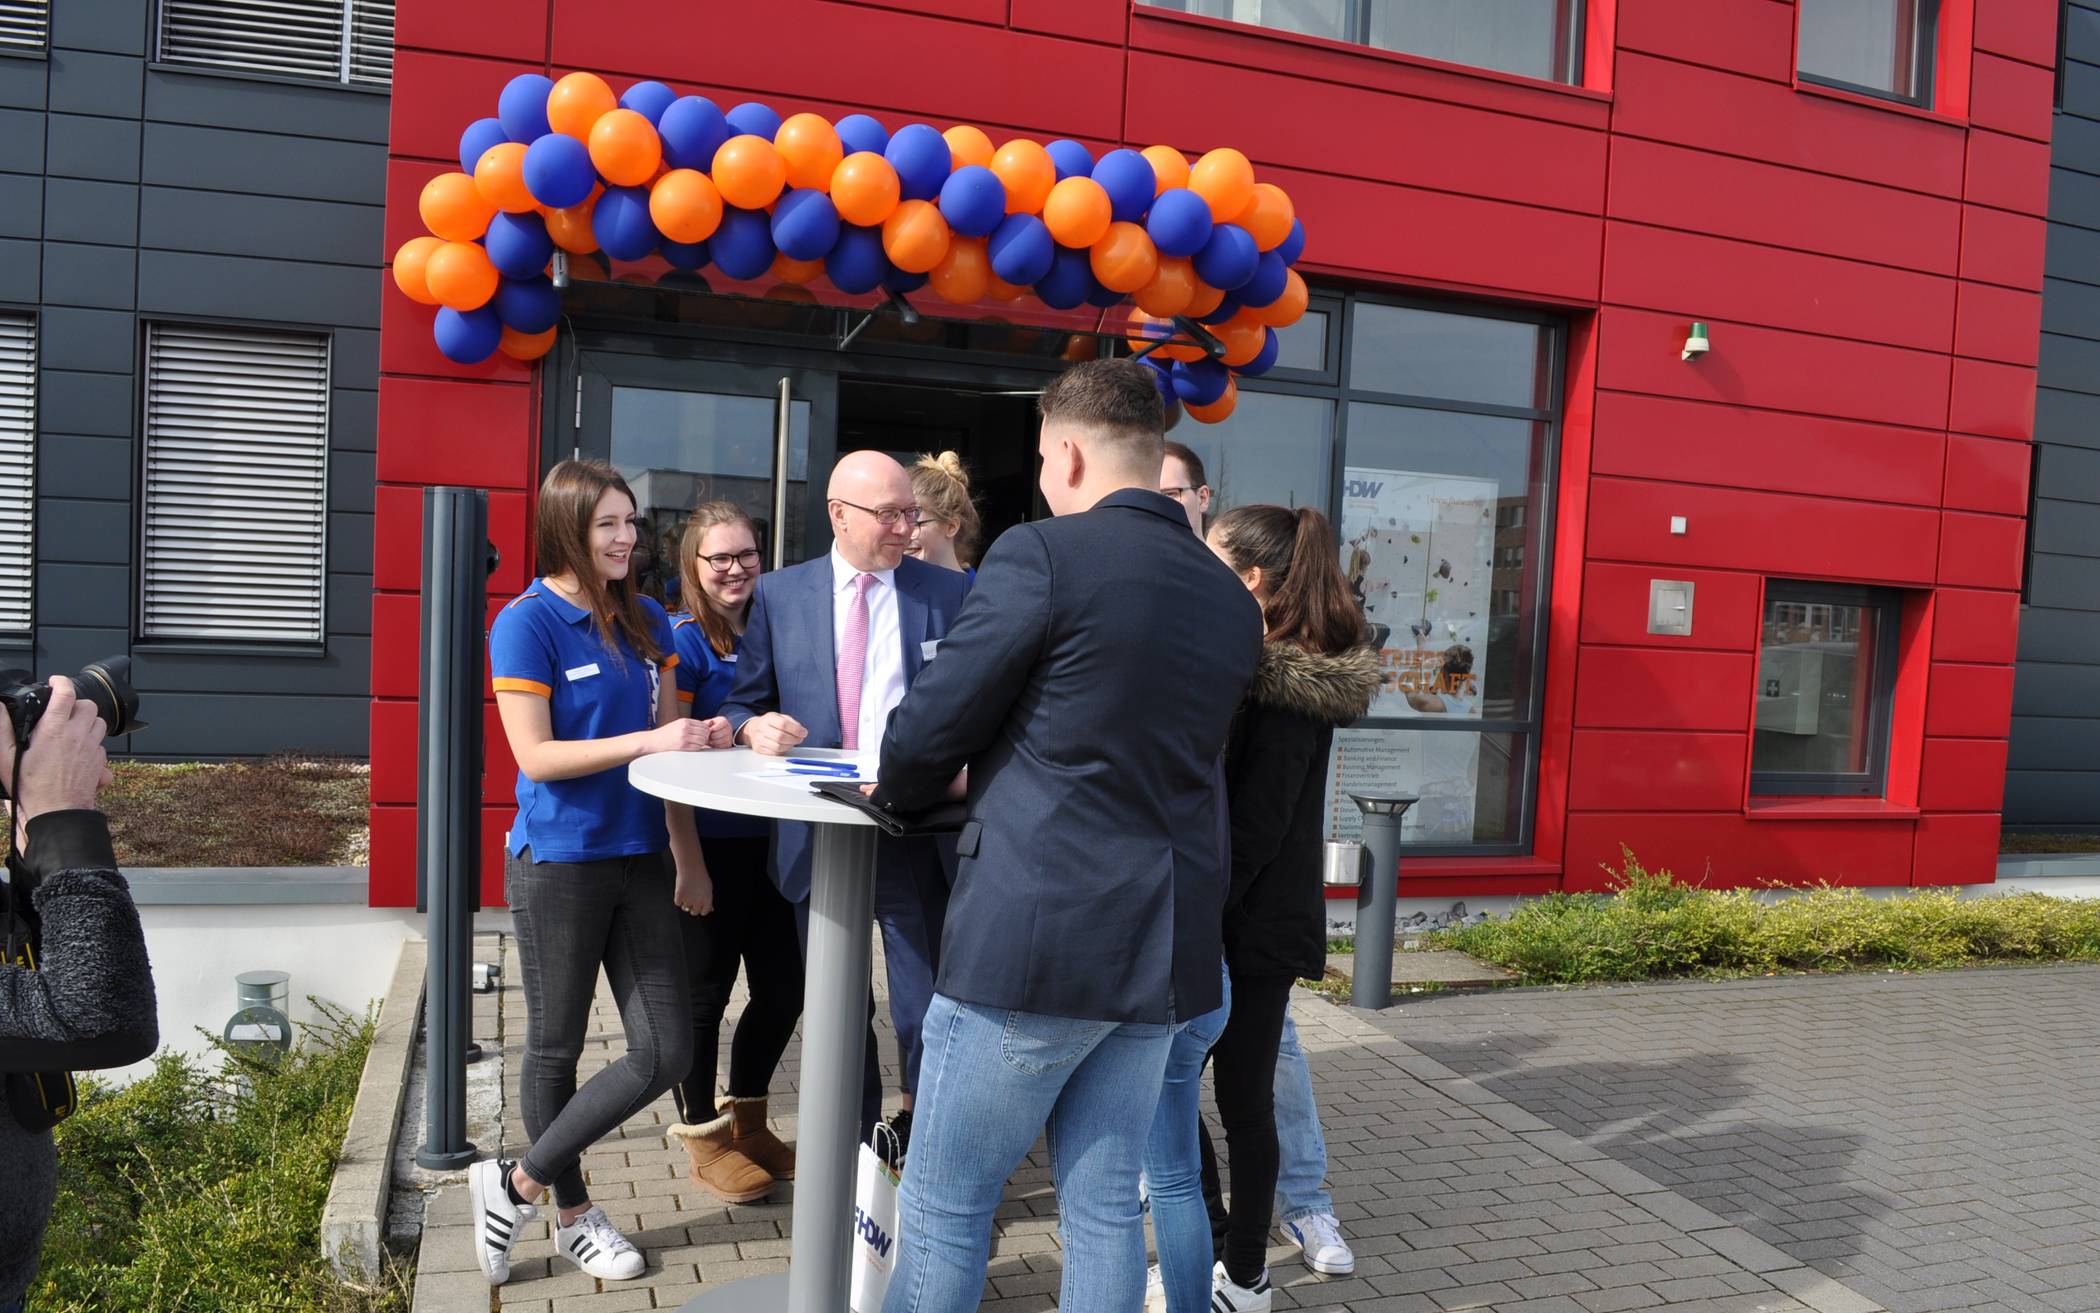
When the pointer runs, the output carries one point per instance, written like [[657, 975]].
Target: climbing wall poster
[[1418, 551]]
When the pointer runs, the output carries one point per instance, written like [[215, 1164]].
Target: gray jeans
[[571, 918]]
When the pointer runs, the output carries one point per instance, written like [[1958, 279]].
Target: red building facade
[[1869, 273]]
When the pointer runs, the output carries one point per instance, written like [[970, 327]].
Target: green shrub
[[199, 1188], [1653, 925]]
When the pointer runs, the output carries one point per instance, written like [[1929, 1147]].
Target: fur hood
[[1335, 689]]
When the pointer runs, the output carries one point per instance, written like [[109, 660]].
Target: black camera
[[105, 683]]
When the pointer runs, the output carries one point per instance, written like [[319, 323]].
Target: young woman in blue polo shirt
[[579, 661], [734, 1155]]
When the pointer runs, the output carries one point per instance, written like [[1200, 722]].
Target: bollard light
[[259, 1029], [1371, 984]]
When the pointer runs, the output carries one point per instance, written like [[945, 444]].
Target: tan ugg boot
[[718, 1166], [756, 1140]]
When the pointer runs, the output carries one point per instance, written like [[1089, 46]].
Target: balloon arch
[[564, 164]]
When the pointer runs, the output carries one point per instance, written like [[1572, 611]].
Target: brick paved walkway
[[1453, 1198], [1933, 1141]]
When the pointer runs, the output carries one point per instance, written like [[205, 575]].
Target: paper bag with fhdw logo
[[874, 1231]]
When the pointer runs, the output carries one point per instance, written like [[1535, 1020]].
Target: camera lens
[[107, 684]]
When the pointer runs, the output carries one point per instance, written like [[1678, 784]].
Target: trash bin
[[1342, 864]]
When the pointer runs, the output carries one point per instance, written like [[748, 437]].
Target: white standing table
[[834, 1009]]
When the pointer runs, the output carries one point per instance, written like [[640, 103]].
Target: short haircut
[[1118, 400], [1190, 461]]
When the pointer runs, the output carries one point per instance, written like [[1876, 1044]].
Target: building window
[[349, 41], [17, 471], [1826, 670], [235, 504], [1531, 38], [25, 26], [1881, 47]]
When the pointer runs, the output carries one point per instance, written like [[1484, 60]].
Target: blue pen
[[824, 764], [828, 774]]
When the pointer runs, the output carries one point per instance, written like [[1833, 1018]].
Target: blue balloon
[[901, 282], [1227, 308], [1271, 276], [1264, 359], [1021, 249], [518, 244], [805, 224], [468, 337], [1162, 377], [1180, 220], [693, 129], [858, 132], [922, 160], [649, 99], [476, 140], [1293, 246], [1070, 278], [856, 263], [1102, 296], [973, 200], [743, 246], [528, 305], [754, 118], [1071, 159], [620, 221], [522, 108], [1227, 260], [558, 171], [683, 256], [1128, 179], [1200, 382]]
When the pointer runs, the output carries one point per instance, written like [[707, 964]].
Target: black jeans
[[572, 918], [754, 925], [1243, 1071]]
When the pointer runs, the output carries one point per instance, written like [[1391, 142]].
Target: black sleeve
[[1263, 782], [89, 1004]]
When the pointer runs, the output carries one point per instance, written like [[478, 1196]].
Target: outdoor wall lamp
[[560, 271], [1696, 344], [904, 308]]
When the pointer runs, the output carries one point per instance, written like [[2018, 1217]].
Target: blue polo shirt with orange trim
[[704, 680], [548, 647]]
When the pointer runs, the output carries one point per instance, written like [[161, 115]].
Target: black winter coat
[[1276, 782]]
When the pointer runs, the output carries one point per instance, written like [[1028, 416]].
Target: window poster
[[1443, 770]]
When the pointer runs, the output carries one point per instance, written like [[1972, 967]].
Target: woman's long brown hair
[[721, 635], [562, 540], [1309, 602]]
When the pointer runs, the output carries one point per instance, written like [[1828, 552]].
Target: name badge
[[731, 658], [928, 648], [582, 672]]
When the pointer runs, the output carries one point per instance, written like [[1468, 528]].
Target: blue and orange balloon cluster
[[567, 164]]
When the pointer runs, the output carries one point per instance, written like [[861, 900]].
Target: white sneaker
[[497, 1218], [593, 1244], [1319, 1237], [1226, 1297], [1155, 1291]]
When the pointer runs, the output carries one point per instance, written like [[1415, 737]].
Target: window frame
[[346, 56], [1927, 42], [1887, 605], [1569, 48]]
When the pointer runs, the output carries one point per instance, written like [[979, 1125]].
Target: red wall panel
[[1998, 246], [1962, 775], [1987, 474], [405, 345], [1972, 625], [1656, 688], [1088, 20], [1725, 848], [1754, 37], [2011, 173], [439, 432], [1999, 323], [2011, 97], [1956, 848], [396, 628], [1615, 606], [1981, 551], [501, 29], [1969, 701], [1994, 400], [437, 96], [397, 540], [1810, 537], [1673, 771], [394, 735], [2019, 31]]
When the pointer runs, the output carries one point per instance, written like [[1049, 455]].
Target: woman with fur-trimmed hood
[[1316, 673]]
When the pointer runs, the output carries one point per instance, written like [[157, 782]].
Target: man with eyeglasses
[[828, 651], [1181, 477]]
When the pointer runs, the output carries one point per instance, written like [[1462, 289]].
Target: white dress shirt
[[882, 678]]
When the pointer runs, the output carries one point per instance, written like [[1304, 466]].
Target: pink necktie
[[853, 658]]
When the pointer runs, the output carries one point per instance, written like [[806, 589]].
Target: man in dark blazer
[[1089, 689], [797, 679]]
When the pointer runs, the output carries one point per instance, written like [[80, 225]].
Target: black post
[[448, 801]]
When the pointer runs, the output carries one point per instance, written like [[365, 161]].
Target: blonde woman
[[948, 525]]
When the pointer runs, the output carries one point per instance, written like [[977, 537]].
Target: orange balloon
[[625, 148], [1001, 290], [685, 206], [968, 145], [1026, 170], [810, 146], [749, 172], [864, 188], [459, 275], [915, 236], [408, 268], [1172, 287], [790, 270], [1169, 166], [571, 228], [576, 104], [1222, 407], [499, 175], [1267, 216], [453, 208], [1225, 179], [1204, 300], [1146, 329], [526, 346], [1078, 212], [964, 275], [1125, 258], [1287, 309], [1242, 336]]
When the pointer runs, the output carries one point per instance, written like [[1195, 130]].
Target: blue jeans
[[1301, 1147], [989, 1081], [1174, 1167]]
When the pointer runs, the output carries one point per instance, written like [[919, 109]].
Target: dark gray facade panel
[[350, 604], [2077, 146], [353, 419], [216, 159], [23, 83], [2051, 799], [79, 466], [63, 649], [2071, 309], [82, 146], [2055, 743], [2064, 417], [93, 82], [84, 210], [2070, 582], [2076, 195], [117, 27], [353, 360], [21, 206], [2068, 473], [2081, 43], [339, 668], [2068, 528], [99, 277], [351, 481], [22, 141], [83, 596], [204, 100], [2071, 249], [21, 270], [2051, 634], [269, 227], [2071, 363], [213, 725], [350, 545], [71, 337], [178, 283], [2058, 690], [97, 405], [82, 532]]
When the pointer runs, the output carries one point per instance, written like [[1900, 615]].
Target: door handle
[[782, 410]]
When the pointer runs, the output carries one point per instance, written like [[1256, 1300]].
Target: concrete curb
[[353, 1223]]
